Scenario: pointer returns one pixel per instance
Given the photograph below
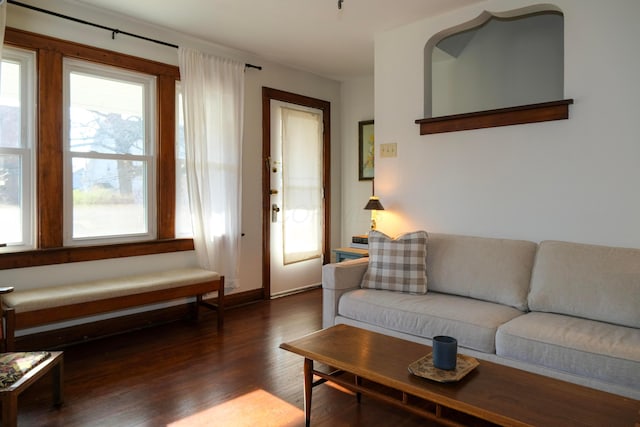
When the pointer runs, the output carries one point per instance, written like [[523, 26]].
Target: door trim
[[267, 95]]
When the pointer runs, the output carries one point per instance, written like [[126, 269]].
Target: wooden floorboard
[[189, 374]]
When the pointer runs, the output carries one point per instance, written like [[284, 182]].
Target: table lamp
[[373, 205]]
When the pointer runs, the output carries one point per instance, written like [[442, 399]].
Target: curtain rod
[[114, 31]]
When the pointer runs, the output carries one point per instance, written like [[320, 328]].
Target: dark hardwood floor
[[189, 374]]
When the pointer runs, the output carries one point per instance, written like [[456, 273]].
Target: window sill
[[546, 111], [39, 257]]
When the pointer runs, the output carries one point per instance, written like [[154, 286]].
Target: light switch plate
[[389, 150]]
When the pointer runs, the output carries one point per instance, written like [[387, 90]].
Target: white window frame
[[149, 157], [27, 152]]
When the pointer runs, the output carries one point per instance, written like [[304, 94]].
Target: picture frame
[[366, 151]]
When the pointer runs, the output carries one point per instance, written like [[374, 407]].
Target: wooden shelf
[[533, 113]]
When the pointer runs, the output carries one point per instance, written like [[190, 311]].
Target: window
[[94, 177], [17, 118], [109, 154], [183, 212]]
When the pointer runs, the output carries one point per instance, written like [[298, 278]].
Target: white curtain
[[213, 98]]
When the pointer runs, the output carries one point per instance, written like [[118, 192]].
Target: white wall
[[357, 106], [272, 75], [575, 180]]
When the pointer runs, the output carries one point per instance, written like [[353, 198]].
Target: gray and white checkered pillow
[[398, 264]]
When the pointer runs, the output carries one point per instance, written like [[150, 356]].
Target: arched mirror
[[496, 61]]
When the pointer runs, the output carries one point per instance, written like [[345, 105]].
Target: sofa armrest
[[336, 280]]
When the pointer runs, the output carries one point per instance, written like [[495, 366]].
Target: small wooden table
[[9, 395], [343, 254], [492, 392]]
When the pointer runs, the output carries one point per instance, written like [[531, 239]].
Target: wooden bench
[[37, 307]]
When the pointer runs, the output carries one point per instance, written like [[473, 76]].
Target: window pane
[[17, 118], [109, 197], [10, 200], [183, 226], [106, 115], [10, 122]]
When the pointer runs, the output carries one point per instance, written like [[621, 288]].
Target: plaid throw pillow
[[398, 264]]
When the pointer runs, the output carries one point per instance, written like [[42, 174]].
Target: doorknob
[[274, 212]]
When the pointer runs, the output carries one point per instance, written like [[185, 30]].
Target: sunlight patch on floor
[[257, 408]]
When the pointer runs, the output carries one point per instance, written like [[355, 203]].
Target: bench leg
[[10, 330], [196, 309], [221, 304], [218, 307]]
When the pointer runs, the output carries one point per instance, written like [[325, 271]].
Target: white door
[[296, 200]]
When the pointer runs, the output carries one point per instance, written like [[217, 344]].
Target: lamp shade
[[374, 204]]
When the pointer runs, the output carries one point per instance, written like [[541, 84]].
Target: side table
[[343, 254]]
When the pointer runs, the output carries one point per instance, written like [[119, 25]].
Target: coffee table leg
[[58, 383], [308, 387]]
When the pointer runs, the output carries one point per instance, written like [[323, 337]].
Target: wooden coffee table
[[366, 361]]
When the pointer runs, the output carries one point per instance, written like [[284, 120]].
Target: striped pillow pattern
[[398, 264]]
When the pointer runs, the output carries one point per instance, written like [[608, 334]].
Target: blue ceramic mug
[[445, 352]]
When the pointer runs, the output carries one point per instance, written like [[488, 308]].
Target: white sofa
[[566, 310]]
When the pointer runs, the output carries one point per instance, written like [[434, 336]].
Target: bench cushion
[[56, 296], [472, 322]]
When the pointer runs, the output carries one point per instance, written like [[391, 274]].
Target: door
[[295, 206]]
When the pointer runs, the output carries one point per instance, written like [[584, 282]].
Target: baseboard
[[295, 291], [58, 338], [243, 298]]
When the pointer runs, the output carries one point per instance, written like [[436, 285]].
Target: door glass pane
[[106, 115], [10, 199], [302, 185], [109, 197]]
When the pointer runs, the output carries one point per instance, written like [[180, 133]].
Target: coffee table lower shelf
[[423, 408]]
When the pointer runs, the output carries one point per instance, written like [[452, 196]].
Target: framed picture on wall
[[366, 150]]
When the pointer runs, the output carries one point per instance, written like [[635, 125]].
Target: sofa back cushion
[[496, 270], [588, 281]]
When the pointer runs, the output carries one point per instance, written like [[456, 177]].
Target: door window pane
[[302, 184]]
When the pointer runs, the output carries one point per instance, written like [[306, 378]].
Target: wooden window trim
[[49, 152]]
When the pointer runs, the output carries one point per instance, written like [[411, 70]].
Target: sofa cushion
[[610, 353], [589, 281], [472, 322], [496, 270], [397, 264]]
